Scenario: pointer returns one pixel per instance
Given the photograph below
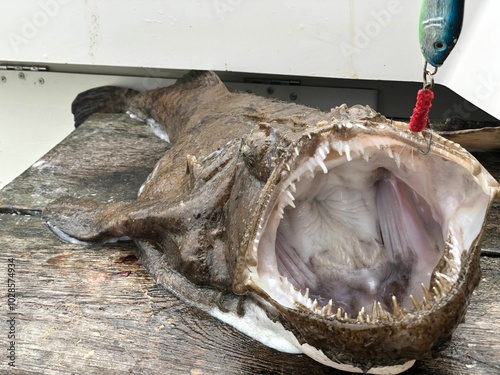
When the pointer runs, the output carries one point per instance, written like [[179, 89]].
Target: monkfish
[[324, 233]]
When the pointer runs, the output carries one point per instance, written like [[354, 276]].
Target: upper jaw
[[391, 148]]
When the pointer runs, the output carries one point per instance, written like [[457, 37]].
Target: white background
[[350, 39]]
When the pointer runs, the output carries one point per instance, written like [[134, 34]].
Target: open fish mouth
[[367, 231]]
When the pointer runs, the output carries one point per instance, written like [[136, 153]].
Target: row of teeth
[[318, 160], [348, 149], [378, 313], [443, 282], [287, 197]]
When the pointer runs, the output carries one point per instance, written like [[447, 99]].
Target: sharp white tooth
[[339, 313], [292, 289], [426, 291], [415, 302], [328, 308], [322, 153], [306, 294], [309, 304], [436, 293], [374, 310], [395, 307], [381, 312], [293, 188], [348, 152], [337, 146], [290, 198], [389, 152], [309, 135], [281, 212], [322, 165], [288, 167], [361, 317], [296, 151], [397, 158], [450, 263], [440, 287], [315, 305], [445, 280]]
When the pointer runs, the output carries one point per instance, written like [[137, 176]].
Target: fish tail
[[107, 99]]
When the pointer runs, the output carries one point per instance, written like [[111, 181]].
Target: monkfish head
[[360, 244]]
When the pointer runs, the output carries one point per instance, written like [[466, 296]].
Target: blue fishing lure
[[440, 26]]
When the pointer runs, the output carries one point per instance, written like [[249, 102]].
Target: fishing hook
[[428, 149]]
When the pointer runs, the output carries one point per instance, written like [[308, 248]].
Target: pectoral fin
[[85, 221]]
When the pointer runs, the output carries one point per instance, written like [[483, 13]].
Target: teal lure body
[[440, 26]]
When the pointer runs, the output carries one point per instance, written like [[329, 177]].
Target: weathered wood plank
[[95, 310], [107, 159], [491, 243]]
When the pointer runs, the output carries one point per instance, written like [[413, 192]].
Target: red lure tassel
[[420, 116]]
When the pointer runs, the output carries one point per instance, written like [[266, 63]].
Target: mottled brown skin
[[196, 216], [200, 115]]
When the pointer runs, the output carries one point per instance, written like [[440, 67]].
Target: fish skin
[[197, 215]]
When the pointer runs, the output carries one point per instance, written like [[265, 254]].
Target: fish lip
[[443, 289]]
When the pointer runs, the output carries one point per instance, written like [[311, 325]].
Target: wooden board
[[95, 310]]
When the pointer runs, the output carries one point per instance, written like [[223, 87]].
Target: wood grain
[[95, 310]]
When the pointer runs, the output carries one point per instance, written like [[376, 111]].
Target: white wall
[[369, 39], [352, 39]]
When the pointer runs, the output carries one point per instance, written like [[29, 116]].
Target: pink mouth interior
[[401, 253]]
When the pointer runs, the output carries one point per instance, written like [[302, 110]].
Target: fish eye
[[439, 46], [247, 155]]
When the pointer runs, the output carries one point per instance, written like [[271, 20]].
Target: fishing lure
[[440, 26]]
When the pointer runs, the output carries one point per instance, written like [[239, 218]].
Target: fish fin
[[83, 221], [198, 79], [107, 99]]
